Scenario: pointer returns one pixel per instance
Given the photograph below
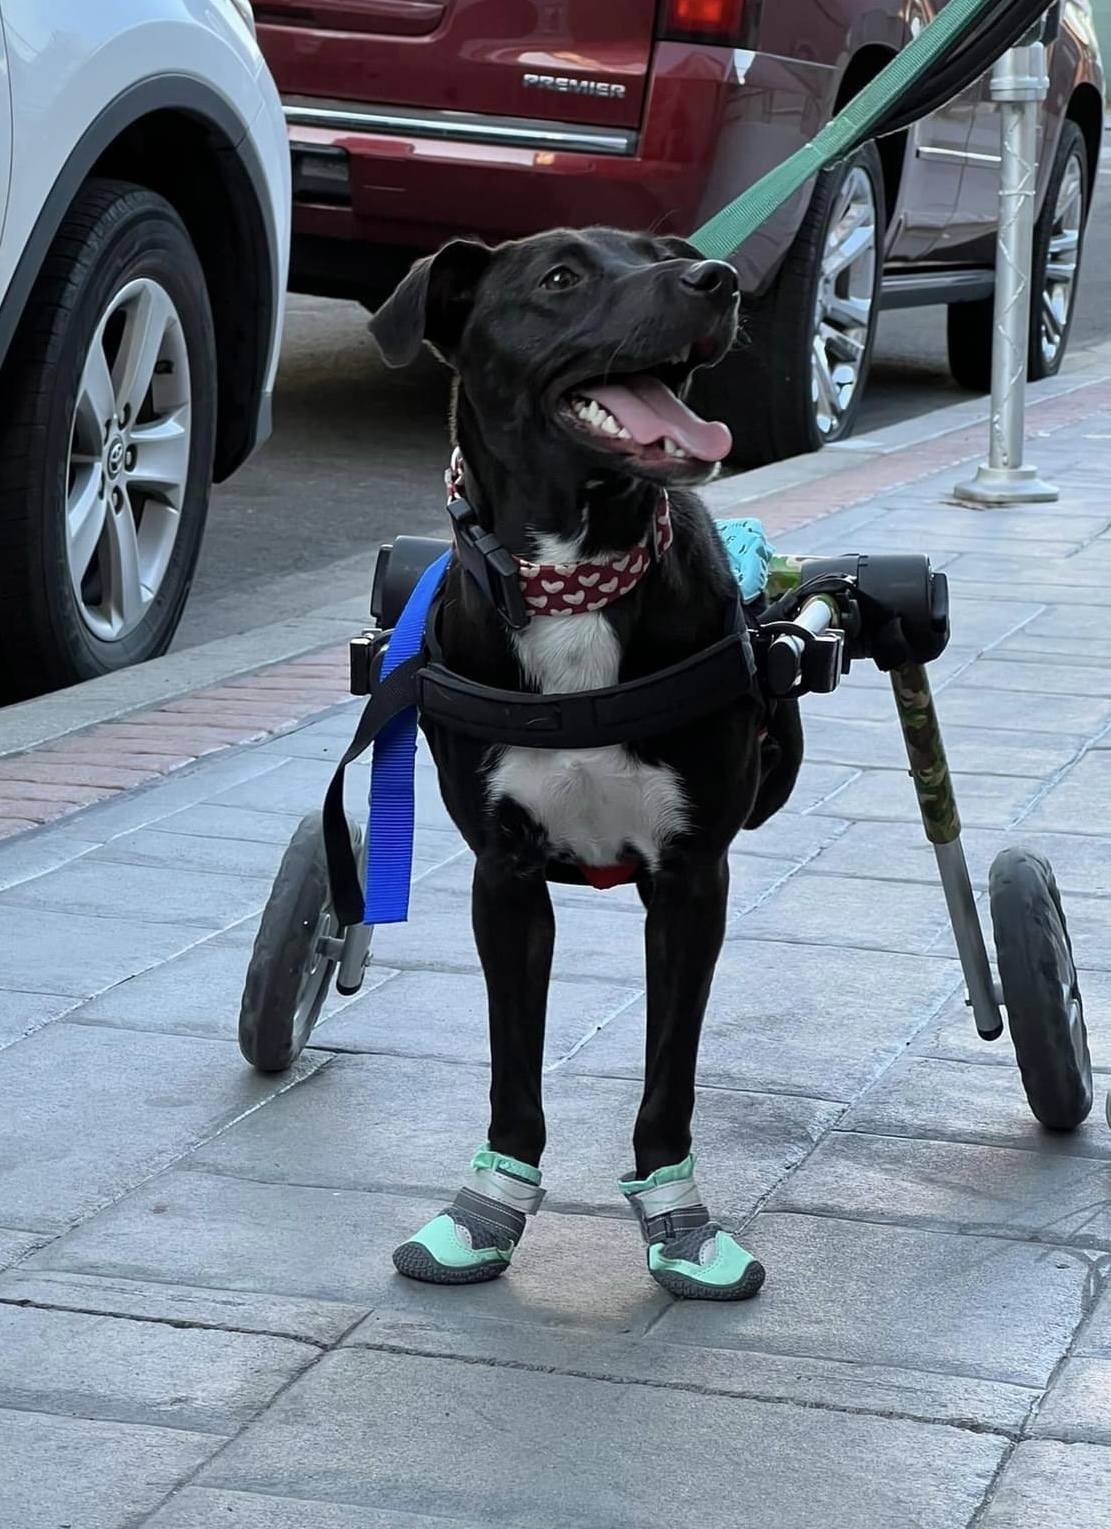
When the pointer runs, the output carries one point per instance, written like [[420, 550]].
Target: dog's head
[[573, 350]]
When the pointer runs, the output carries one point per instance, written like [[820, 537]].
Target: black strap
[[671, 698], [393, 695]]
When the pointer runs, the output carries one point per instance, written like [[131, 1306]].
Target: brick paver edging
[[109, 758]]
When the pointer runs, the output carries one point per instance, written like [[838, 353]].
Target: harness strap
[[391, 697], [663, 702], [389, 721]]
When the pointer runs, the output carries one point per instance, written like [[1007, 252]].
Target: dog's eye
[[560, 279]]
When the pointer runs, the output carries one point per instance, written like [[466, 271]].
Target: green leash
[[728, 229]]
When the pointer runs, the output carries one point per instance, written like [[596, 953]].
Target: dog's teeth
[[672, 449], [623, 434], [610, 425]]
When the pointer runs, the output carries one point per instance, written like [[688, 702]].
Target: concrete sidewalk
[[199, 1321]]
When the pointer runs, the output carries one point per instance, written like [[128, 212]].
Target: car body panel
[[572, 60], [441, 138], [81, 73], [5, 129]]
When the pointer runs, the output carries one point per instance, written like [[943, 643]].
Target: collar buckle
[[486, 560]]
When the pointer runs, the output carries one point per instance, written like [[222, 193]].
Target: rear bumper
[[715, 121]]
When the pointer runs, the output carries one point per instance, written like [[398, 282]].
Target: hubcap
[[1061, 267], [128, 459], [843, 308]]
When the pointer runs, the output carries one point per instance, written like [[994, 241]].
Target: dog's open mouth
[[640, 414]]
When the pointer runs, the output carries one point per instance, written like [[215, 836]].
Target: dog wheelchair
[[816, 617]]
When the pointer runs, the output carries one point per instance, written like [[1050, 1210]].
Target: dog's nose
[[711, 277]]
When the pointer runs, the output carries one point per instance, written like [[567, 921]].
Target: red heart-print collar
[[572, 589]]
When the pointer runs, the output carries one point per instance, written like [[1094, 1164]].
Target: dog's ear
[[679, 249], [432, 303]]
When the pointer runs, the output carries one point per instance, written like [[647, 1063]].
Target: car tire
[[1054, 270], [776, 394], [107, 434]]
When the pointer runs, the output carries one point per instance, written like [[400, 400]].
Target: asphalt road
[[358, 452]]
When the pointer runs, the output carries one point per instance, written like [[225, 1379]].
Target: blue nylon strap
[[389, 840]]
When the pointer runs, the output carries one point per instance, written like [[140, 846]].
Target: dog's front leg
[[474, 1237], [688, 1253]]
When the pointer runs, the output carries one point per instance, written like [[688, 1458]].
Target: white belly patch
[[594, 804]]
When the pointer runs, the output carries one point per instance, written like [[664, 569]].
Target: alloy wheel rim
[[843, 304], [1062, 262], [128, 463]]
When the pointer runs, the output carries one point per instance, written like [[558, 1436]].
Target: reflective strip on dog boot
[[688, 1254], [473, 1238]]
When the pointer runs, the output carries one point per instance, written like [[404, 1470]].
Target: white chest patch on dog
[[594, 804]]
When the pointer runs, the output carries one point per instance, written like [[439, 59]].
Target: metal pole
[[1019, 83]]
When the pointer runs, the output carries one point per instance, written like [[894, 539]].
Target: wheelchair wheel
[[287, 977], [1037, 972]]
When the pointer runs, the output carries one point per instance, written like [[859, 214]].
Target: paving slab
[[89, 1474], [206, 1508], [297, 786], [948, 1101], [1047, 1486], [790, 836], [79, 1365], [432, 1436], [196, 993], [971, 750], [443, 1015], [174, 852], [85, 1113], [44, 850], [1040, 1196], [16, 1243], [909, 918], [1095, 1336], [793, 1018], [277, 1316], [20, 1013], [1078, 1404], [929, 1396], [187, 897], [895, 852], [1002, 676], [965, 705], [1080, 802], [380, 1122], [50, 950], [891, 1295], [205, 1229], [984, 801], [952, 1035]]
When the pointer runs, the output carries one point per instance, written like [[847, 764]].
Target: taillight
[[709, 21]]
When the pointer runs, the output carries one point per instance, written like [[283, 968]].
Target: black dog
[[570, 351]]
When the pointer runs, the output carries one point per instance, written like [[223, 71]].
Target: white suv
[[144, 243]]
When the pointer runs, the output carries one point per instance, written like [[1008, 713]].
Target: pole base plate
[[1006, 485]]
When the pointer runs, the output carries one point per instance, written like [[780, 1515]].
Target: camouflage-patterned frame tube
[[937, 803], [929, 767]]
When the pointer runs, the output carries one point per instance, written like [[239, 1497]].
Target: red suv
[[413, 121]]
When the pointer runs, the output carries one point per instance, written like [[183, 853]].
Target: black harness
[[709, 681]]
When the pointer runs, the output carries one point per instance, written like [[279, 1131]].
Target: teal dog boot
[[688, 1254], [473, 1238]]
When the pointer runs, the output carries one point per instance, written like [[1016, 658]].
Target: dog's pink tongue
[[650, 411]]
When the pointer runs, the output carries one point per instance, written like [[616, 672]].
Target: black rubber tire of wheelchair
[[271, 1034], [1038, 977]]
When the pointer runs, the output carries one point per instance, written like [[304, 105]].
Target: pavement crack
[[687, 1388], [185, 1323]]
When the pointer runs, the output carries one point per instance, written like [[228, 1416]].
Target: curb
[[93, 742]]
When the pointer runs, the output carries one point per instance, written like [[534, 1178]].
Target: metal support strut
[[1019, 83], [929, 770]]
